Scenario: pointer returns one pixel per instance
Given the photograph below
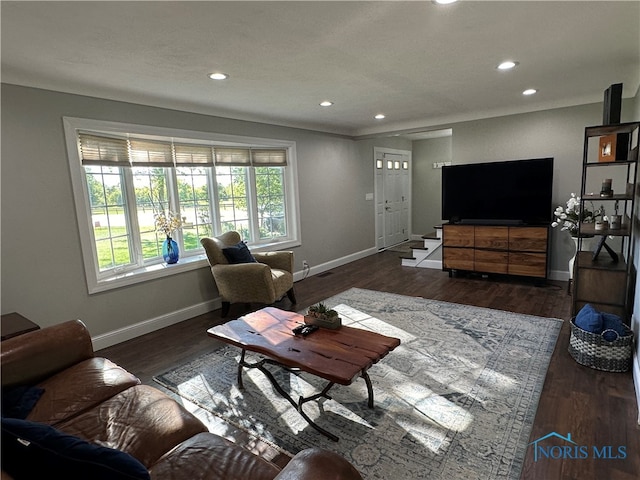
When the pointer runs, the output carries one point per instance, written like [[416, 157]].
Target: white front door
[[392, 195]]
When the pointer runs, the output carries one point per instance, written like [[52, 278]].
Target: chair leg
[[225, 308], [292, 295]]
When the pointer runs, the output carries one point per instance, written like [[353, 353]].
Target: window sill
[[160, 270], [151, 272]]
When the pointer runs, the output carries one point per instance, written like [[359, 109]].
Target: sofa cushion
[[238, 253], [207, 456], [66, 393], [17, 402], [36, 450], [141, 421]]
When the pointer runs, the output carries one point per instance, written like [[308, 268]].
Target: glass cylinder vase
[[170, 251]]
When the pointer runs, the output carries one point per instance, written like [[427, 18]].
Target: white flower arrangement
[[569, 218], [167, 222]]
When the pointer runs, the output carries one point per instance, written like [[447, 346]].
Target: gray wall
[[42, 270], [557, 133], [426, 182]]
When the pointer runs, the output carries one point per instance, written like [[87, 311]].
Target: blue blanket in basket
[[608, 325]]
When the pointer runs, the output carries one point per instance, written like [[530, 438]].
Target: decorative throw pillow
[[589, 319], [612, 322], [238, 253], [17, 402], [35, 450]]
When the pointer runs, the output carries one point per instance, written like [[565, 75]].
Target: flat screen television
[[505, 193]]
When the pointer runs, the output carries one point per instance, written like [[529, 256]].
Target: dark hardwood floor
[[597, 408]]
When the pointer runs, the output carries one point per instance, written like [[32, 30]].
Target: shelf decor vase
[[170, 251]]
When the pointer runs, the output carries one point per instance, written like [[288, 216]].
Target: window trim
[[97, 282]]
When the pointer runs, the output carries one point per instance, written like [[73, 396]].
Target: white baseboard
[[323, 267], [147, 326]]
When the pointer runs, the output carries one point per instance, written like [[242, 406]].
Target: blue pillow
[[589, 319], [36, 450], [238, 253], [17, 402], [612, 322]]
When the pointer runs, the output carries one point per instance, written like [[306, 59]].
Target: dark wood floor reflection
[[597, 408]]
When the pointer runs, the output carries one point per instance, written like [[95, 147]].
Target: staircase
[[429, 254]]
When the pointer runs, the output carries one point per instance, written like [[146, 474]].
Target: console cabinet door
[[490, 261], [528, 264], [458, 235], [458, 258], [528, 239], [492, 238]]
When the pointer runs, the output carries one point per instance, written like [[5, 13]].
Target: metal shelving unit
[[610, 152]]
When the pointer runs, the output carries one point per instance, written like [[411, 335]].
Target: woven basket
[[592, 350]]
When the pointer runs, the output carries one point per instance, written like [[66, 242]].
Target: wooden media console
[[509, 250]]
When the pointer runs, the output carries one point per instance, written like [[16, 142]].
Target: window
[[125, 175]]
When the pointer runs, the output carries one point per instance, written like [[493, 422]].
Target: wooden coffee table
[[338, 356]]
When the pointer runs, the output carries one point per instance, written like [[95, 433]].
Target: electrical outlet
[[305, 264]]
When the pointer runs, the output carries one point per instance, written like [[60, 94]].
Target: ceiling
[[421, 64]]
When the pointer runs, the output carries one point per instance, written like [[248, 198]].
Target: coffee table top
[[339, 356]]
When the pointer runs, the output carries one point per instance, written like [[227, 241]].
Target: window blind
[[232, 157], [268, 157], [193, 155], [106, 151], [125, 152], [150, 153]]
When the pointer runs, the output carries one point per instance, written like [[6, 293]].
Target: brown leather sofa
[[95, 400]]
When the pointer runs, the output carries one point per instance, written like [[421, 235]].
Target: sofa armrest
[[318, 464], [34, 356], [282, 260]]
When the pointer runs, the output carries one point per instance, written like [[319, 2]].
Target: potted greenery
[[322, 316]]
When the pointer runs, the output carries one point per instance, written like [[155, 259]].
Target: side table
[[14, 324]]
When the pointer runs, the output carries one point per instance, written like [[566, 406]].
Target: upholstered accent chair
[[265, 281]]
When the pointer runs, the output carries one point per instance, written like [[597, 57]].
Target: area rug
[[456, 400]]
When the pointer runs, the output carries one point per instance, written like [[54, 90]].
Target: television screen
[[512, 192]]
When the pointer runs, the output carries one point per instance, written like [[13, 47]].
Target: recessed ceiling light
[[530, 91], [218, 76], [326, 103], [379, 116], [507, 65], [444, 2]]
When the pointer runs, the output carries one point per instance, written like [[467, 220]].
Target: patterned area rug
[[456, 400]]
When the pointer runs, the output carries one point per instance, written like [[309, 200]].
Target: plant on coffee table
[[323, 316]]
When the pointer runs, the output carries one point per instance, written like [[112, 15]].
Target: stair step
[[431, 236]]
